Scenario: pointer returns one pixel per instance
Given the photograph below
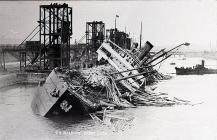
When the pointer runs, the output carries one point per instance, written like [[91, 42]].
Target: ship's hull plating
[[55, 97], [183, 71]]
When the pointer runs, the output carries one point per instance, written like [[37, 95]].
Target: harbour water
[[181, 122]]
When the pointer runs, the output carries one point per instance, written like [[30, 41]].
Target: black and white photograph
[[108, 70]]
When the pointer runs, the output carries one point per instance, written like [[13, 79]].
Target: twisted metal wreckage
[[121, 83]]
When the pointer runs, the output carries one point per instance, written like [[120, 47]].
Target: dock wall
[[8, 80], [21, 78]]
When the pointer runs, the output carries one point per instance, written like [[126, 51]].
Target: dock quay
[[21, 78]]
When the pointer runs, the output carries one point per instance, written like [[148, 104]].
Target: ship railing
[[123, 53], [118, 49]]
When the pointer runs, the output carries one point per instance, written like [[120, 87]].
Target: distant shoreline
[[205, 55]]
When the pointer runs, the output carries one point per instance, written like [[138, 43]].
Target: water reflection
[[69, 122]]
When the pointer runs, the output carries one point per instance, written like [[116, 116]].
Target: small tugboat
[[198, 69]]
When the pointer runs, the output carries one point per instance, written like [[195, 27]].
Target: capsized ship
[[73, 92], [67, 92], [198, 69]]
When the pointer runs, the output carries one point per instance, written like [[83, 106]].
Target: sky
[[165, 23]]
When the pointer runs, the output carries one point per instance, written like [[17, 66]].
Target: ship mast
[[140, 39]]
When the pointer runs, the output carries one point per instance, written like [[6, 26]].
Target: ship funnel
[[145, 50], [203, 63]]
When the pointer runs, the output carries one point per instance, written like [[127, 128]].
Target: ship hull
[[46, 102], [183, 71]]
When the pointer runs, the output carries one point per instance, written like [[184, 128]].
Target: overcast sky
[[165, 22]]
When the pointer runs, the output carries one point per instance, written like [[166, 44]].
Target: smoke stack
[[145, 50], [203, 63]]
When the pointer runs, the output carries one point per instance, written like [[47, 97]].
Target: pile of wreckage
[[121, 83]]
